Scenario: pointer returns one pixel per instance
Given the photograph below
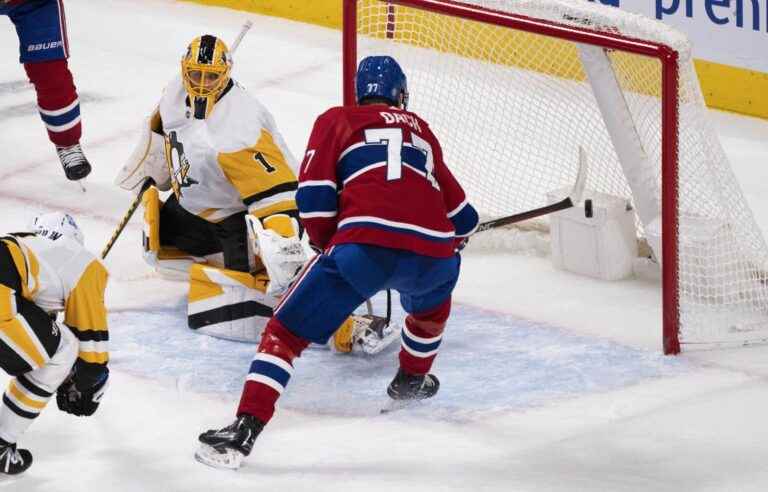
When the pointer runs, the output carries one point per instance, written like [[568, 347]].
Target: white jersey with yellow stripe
[[62, 276], [234, 160]]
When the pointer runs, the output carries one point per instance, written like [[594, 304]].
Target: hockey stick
[[567, 202], [387, 317], [127, 217], [246, 27]]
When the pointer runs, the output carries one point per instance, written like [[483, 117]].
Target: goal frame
[[666, 55]]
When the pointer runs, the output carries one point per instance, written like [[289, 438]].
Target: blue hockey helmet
[[381, 77]]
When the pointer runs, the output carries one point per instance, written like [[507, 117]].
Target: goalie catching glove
[[148, 159], [80, 394]]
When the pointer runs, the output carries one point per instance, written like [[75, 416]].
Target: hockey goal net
[[513, 88]]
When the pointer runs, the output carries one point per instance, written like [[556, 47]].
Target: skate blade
[[6, 480], [397, 405], [228, 460], [81, 184]]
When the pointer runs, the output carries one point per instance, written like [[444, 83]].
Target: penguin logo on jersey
[[178, 164]]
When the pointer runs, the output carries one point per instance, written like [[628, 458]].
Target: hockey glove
[[81, 393]]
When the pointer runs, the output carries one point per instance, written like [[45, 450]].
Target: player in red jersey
[[375, 195], [44, 49]]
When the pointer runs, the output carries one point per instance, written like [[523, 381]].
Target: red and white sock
[[270, 371], [421, 338], [57, 100]]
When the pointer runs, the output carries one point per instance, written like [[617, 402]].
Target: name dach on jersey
[[375, 174]]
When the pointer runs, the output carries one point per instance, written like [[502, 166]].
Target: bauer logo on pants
[[45, 46]]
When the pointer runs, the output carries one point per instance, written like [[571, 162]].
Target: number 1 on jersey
[[393, 138], [259, 157]]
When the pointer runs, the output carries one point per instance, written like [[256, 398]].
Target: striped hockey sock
[[23, 401], [57, 101], [421, 338], [270, 371]]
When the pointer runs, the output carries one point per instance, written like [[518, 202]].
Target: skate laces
[[227, 432], [71, 156], [428, 382], [242, 430], [11, 455]]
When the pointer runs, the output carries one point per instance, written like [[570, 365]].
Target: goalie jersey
[[375, 174], [231, 161], [62, 275]]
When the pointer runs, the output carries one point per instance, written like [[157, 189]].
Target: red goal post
[[668, 59]]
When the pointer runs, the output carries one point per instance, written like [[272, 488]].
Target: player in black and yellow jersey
[[43, 273]]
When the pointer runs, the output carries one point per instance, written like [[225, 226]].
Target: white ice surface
[[579, 399]]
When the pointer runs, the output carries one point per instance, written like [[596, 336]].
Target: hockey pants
[[198, 237]]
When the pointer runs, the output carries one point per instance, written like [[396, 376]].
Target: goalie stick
[[127, 217], [567, 202], [246, 27], [388, 317]]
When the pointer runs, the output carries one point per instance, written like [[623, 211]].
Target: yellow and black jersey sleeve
[[262, 176], [86, 314], [27, 265], [7, 303]]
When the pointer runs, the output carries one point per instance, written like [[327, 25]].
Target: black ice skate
[[412, 387], [226, 448], [76, 166], [13, 461]]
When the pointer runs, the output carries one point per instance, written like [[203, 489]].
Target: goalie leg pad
[[168, 261], [151, 232], [343, 339], [228, 304]]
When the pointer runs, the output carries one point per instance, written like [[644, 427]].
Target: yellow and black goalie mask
[[205, 69]]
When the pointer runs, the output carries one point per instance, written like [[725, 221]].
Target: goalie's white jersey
[[231, 161]]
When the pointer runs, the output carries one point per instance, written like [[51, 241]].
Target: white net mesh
[[511, 110]]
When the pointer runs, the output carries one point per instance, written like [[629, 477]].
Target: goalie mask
[[205, 70]]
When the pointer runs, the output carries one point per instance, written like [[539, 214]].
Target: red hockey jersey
[[375, 174]]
